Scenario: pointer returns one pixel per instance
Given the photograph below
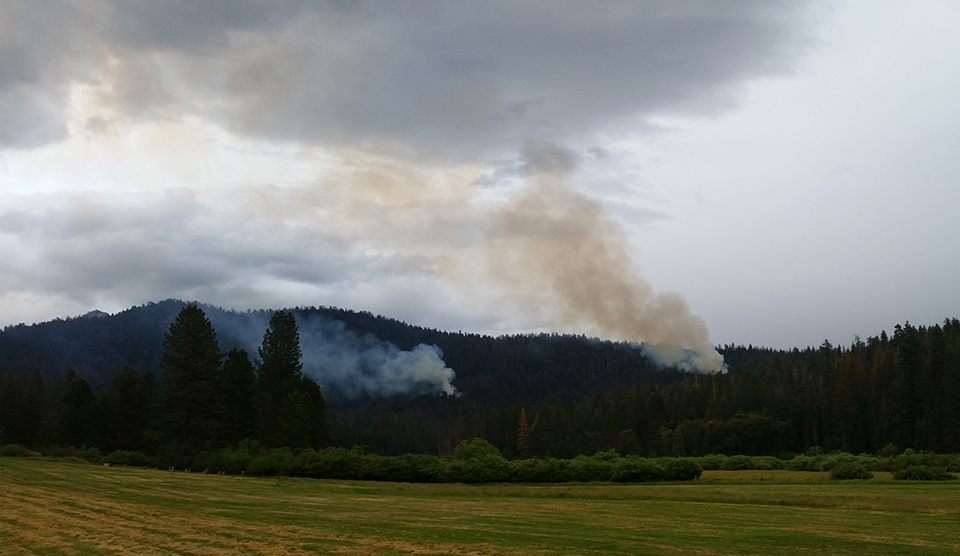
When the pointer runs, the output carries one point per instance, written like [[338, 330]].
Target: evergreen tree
[[75, 419], [951, 388], [23, 404], [10, 396], [291, 409], [239, 390], [523, 435], [32, 414], [128, 408], [906, 412], [191, 404]]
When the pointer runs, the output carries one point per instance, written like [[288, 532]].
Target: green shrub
[[712, 461], [850, 470], [923, 473], [592, 468], [802, 463], [609, 455], [766, 463], [276, 461], [831, 460], [428, 469], [333, 463], [535, 470], [15, 451], [475, 449], [910, 458], [953, 463], [636, 470], [91, 454], [737, 463], [122, 457], [871, 462], [491, 469], [682, 469], [889, 450], [58, 451]]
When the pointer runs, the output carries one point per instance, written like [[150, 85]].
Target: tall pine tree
[[191, 403], [239, 390], [129, 411], [291, 409]]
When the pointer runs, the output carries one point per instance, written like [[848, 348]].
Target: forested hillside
[[525, 368], [577, 395]]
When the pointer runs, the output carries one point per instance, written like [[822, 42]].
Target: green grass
[[51, 507]]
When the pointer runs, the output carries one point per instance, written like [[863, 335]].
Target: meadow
[[57, 507]]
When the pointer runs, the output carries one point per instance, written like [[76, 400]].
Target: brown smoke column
[[554, 246]]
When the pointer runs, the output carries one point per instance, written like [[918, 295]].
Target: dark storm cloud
[[461, 76]]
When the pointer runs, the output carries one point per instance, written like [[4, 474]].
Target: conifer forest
[[160, 381]]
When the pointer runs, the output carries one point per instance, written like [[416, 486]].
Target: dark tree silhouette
[[291, 409], [238, 387], [191, 403]]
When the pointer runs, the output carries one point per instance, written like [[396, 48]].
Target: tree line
[[539, 395], [901, 390], [204, 400]]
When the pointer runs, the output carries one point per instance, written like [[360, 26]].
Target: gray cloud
[[463, 76], [147, 246], [411, 101]]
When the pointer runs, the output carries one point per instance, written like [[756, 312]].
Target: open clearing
[[49, 507]]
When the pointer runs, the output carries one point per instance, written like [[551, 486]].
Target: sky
[[685, 174]]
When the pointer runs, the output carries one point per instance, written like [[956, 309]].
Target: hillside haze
[[352, 354]]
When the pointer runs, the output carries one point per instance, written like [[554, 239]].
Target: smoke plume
[[548, 252], [337, 358], [552, 246]]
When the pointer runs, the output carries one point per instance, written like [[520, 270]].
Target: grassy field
[[70, 508]]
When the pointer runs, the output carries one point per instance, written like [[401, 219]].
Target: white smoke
[[335, 355], [684, 359], [338, 358]]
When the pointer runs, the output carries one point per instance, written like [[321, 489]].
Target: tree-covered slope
[[491, 370], [580, 395]]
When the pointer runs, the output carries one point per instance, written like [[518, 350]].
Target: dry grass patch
[[59, 508]]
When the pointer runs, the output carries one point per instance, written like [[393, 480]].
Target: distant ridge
[[521, 368], [94, 314]]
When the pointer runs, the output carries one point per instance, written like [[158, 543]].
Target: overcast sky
[[774, 173]]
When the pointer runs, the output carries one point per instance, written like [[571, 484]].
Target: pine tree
[[903, 391], [191, 404], [523, 435], [75, 423], [33, 411], [291, 410], [239, 390], [128, 409]]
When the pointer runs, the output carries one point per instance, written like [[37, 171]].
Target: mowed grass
[[51, 507]]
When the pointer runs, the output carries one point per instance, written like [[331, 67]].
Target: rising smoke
[[356, 128], [550, 252], [552, 246], [339, 359]]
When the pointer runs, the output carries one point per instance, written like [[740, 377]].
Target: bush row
[[473, 462], [358, 464], [827, 462], [478, 461]]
